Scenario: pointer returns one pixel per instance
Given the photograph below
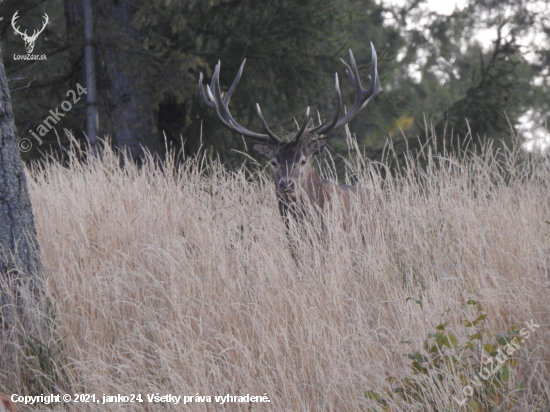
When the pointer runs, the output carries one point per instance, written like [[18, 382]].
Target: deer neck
[[316, 188]]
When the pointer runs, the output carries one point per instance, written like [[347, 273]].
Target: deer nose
[[286, 185]]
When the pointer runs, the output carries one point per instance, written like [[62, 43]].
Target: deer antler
[[215, 100], [15, 17], [219, 103], [37, 32], [362, 96], [24, 34]]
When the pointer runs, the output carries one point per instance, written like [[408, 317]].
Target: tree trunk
[[21, 281], [127, 92], [123, 102], [89, 62]]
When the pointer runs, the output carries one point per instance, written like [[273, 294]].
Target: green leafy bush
[[485, 377]]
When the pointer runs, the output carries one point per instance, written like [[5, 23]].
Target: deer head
[[292, 169], [291, 160], [29, 40]]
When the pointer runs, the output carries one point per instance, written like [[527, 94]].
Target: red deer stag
[[295, 178]]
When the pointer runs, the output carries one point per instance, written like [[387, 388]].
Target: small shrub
[[443, 359]]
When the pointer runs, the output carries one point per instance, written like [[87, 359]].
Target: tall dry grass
[[183, 282]]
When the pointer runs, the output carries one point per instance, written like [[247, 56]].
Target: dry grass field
[[183, 282]]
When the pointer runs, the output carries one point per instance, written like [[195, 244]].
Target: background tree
[[149, 54], [461, 86]]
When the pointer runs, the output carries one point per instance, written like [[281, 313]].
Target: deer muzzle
[[286, 186]]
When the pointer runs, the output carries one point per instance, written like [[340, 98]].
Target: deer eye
[[303, 161], [273, 163]]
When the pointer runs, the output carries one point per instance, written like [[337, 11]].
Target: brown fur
[[295, 177]]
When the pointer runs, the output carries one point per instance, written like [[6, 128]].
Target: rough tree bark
[[130, 94], [89, 62], [21, 281], [124, 98]]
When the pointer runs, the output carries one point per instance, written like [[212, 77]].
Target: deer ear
[[316, 146], [264, 149]]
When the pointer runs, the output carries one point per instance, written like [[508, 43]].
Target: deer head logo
[[29, 40]]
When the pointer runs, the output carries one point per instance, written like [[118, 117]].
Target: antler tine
[[235, 83], [374, 86], [216, 101], [349, 73], [266, 127], [224, 122], [232, 125], [15, 17], [322, 128], [203, 96], [362, 96], [353, 73], [303, 127], [37, 32], [223, 103], [210, 101]]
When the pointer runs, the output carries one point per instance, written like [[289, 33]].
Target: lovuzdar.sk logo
[[29, 40]]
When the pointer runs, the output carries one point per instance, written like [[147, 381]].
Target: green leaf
[[451, 341], [479, 319], [419, 357], [489, 348], [474, 405], [441, 327], [416, 366], [516, 341], [502, 339], [505, 372]]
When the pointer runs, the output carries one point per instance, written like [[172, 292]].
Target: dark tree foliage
[[494, 95], [434, 72], [290, 47]]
